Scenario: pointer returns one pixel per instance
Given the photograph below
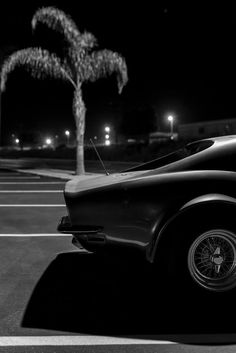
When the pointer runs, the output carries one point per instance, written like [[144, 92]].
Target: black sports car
[[178, 211]]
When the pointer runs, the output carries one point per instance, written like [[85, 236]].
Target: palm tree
[[80, 64]]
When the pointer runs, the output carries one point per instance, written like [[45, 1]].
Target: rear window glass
[[186, 151]]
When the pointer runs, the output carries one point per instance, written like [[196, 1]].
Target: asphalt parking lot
[[54, 298]]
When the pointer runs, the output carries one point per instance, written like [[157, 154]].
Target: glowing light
[[107, 137], [17, 141], [171, 120], [67, 133], [48, 141], [107, 142], [107, 129]]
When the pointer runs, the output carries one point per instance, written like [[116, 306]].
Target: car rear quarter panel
[[133, 212]]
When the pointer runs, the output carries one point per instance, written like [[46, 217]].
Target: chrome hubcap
[[212, 260]]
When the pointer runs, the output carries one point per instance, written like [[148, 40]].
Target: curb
[[57, 173]]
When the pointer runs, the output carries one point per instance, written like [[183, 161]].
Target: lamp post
[[67, 133], [171, 120]]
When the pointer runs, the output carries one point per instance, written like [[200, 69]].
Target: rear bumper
[[84, 236], [66, 227]]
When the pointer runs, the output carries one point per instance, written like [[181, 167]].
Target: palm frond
[[88, 41], [40, 63], [63, 23], [59, 21], [101, 64], [77, 53]]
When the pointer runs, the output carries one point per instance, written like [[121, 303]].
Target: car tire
[[200, 249], [186, 291], [211, 259]]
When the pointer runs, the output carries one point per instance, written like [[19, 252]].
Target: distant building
[[204, 129], [161, 136]]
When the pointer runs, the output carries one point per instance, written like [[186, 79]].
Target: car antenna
[[100, 159]]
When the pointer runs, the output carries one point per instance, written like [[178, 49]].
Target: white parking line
[[31, 205], [75, 341], [28, 191], [35, 235], [31, 182], [19, 177]]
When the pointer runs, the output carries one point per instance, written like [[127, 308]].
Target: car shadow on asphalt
[[89, 294]]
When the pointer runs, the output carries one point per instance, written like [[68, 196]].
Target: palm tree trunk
[[79, 111]]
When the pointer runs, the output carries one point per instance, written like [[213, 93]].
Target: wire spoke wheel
[[212, 260]]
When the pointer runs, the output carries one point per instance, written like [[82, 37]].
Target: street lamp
[[67, 133], [171, 120], [48, 141]]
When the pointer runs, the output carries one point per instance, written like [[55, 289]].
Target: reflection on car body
[[177, 211]]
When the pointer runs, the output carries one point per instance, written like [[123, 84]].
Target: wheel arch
[[198, 206]]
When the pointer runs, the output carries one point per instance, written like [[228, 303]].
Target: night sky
[[180, 57]]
